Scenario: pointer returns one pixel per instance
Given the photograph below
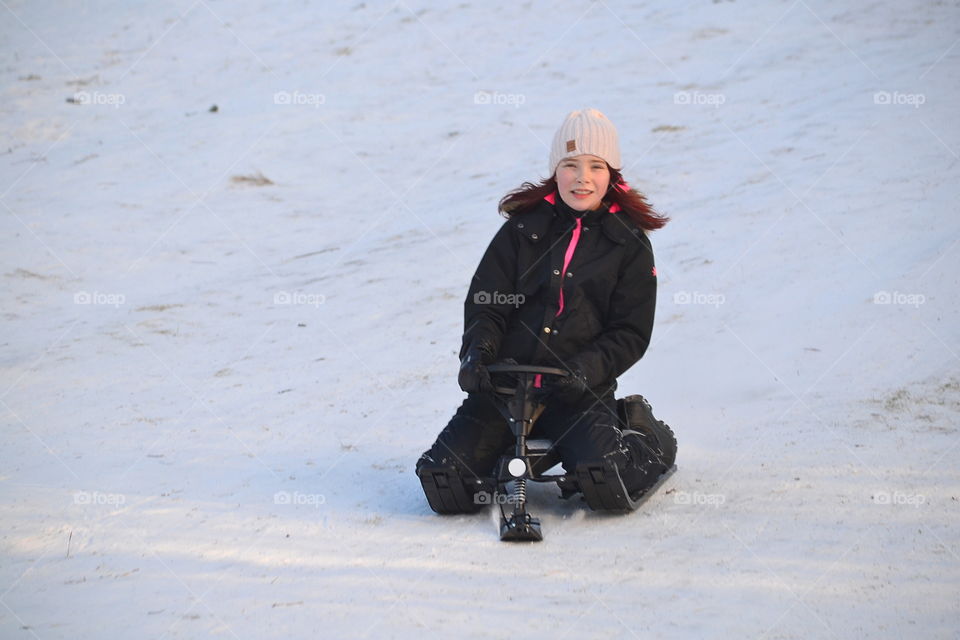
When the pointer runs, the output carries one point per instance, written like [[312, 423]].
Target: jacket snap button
[[546, 329], [519, 225], [534, 236], [556, 272], [586, 228], [569, 274]]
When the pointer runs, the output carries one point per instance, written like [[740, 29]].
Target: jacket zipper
[[567, 257]]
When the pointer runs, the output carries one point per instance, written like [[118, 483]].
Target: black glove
[[567, 389], [474, 376]]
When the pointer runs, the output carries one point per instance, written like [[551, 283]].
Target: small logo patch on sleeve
[[654, 271], [571, 145]]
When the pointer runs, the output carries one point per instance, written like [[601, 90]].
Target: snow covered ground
[[229, 334]]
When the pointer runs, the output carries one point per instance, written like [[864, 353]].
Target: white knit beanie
[[586, 131]]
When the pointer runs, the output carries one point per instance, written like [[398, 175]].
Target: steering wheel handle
[[525, 370]]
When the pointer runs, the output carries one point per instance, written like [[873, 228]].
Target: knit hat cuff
[[586, 131]]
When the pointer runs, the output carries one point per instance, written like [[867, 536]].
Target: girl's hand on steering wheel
[[567, 389], [474, 376]]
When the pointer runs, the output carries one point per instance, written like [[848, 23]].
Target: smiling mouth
[[581, 193]]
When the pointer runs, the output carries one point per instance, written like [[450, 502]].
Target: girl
[[568, 281]]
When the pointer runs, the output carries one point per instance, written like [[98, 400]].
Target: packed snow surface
[[229, 332]]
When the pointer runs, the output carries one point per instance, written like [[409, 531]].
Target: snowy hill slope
[[230, 333]]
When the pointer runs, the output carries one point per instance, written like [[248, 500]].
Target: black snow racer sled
[[528, 460]]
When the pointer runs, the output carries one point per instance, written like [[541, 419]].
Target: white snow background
[[215, 387]]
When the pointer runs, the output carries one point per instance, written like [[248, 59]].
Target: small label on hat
[[571, 145]]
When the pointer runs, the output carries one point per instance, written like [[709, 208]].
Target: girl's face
[[582, 181]]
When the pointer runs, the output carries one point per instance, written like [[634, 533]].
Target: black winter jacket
[[609, 292]]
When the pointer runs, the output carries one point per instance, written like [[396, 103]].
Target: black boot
[[636, 414], [643, 466]]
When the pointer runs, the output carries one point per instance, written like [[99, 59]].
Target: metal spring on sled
[[520, 491]]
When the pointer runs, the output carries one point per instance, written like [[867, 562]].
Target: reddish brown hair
[[633, 203]]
